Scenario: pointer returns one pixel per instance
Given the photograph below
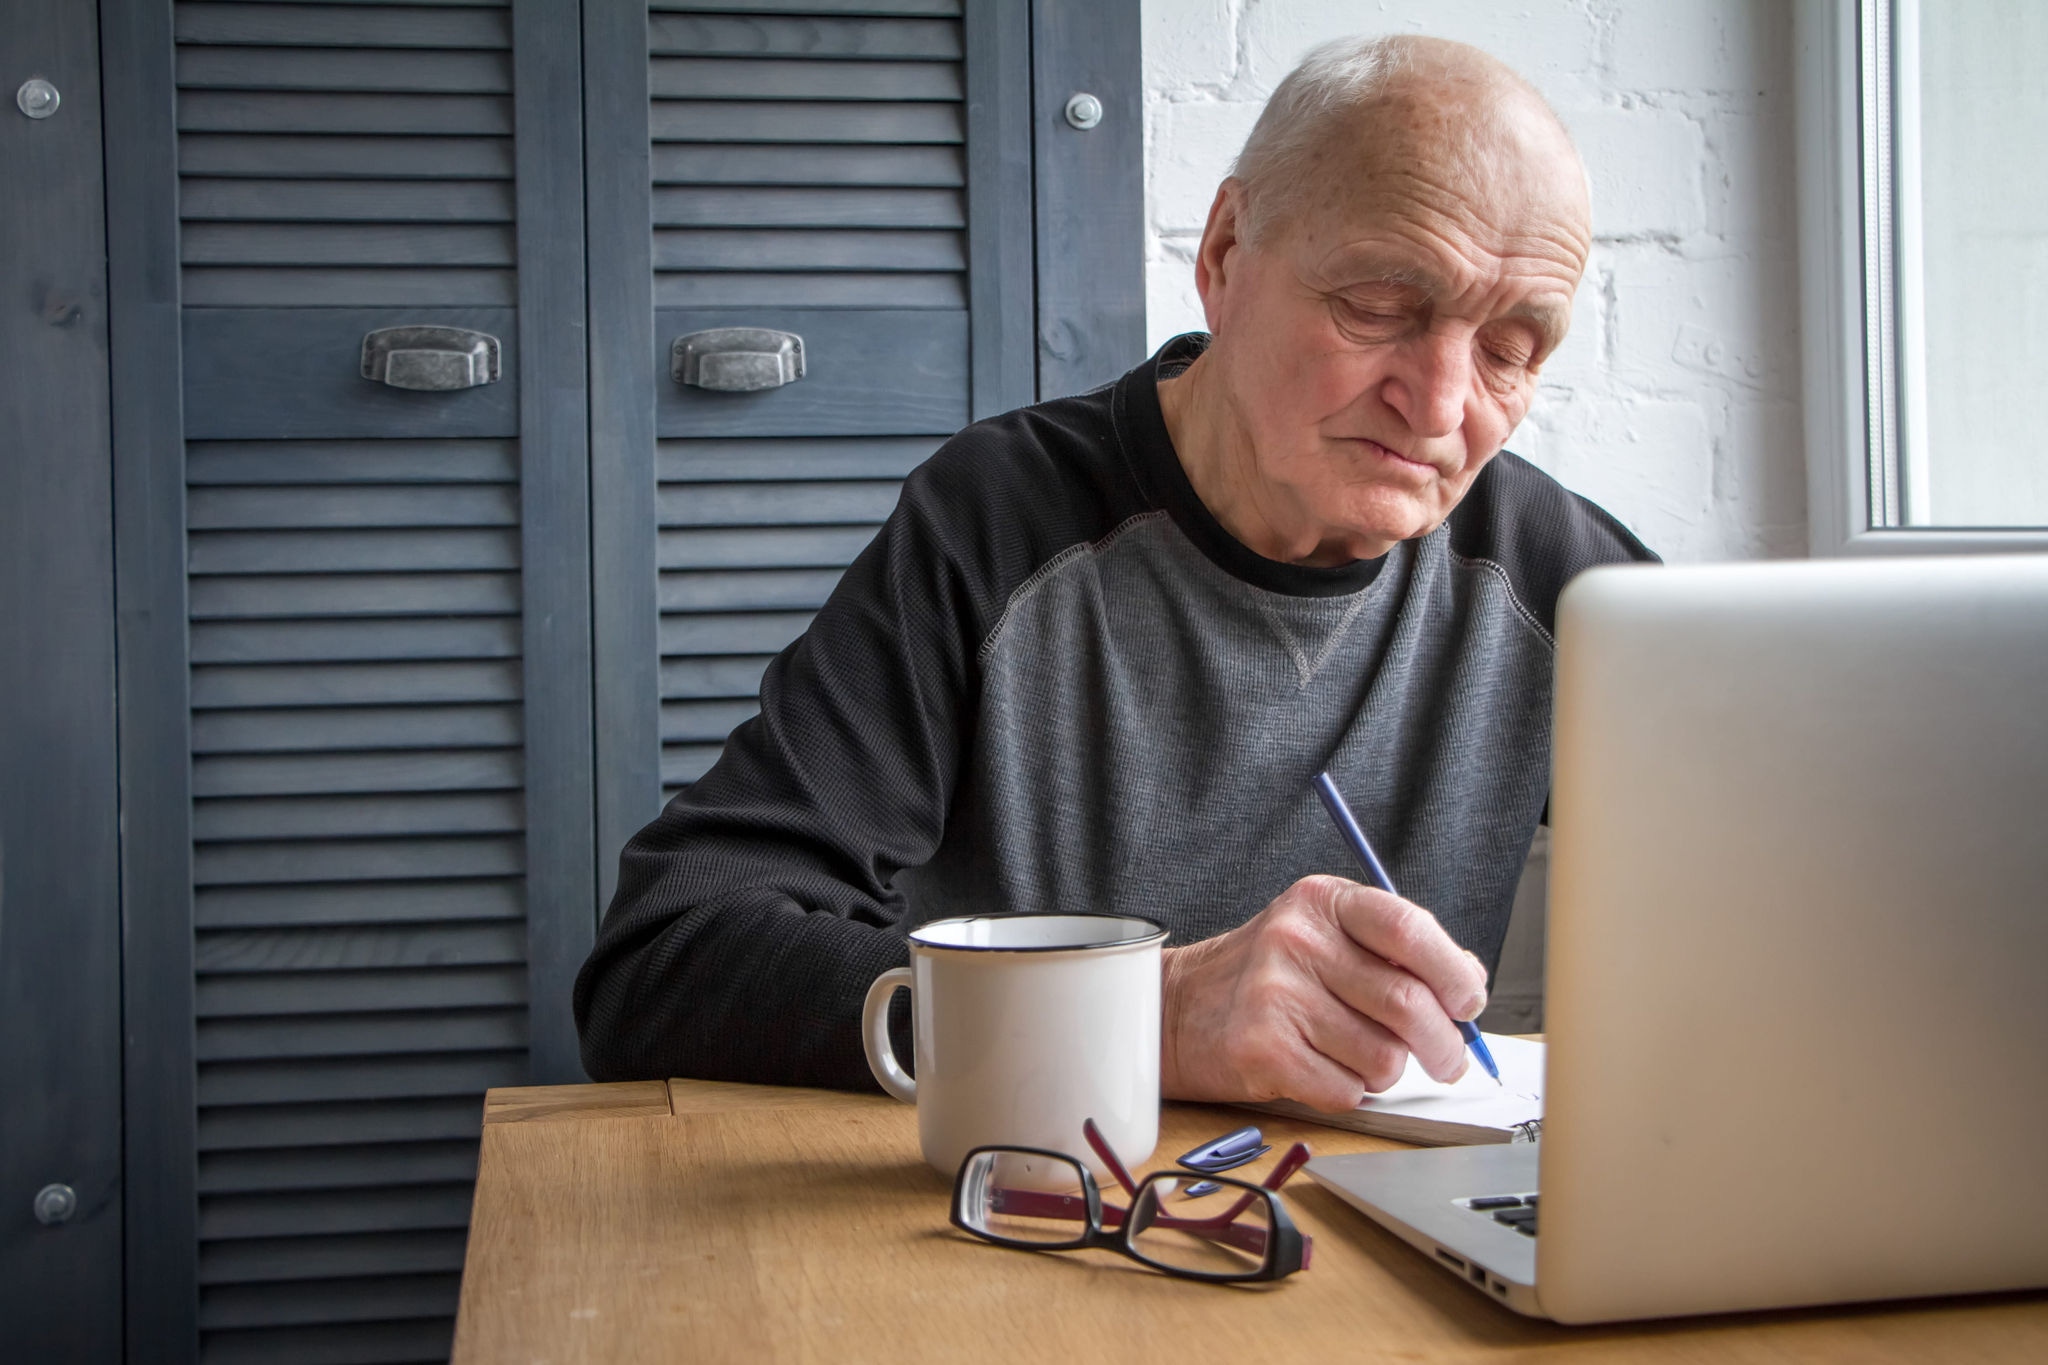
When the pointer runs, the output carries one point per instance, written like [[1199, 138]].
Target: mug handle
[[874, 1029]]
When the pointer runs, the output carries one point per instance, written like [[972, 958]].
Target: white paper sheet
[[1473, 1099]]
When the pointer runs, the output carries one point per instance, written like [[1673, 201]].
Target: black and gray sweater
[[1055, 682]]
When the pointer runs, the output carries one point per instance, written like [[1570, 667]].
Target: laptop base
[[1415, 1195]]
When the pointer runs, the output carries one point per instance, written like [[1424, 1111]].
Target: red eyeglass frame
[[1221, 1227]]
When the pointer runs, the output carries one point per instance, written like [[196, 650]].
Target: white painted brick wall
[[1675, 402]]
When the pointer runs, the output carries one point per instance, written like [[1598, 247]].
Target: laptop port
[[1478, 1276], [1443, 1255], [1500, 1289]]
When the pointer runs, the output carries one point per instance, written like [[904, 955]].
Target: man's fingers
[[1403, 1007], [1324, 1084], [1363, 1047], [1408, 936]]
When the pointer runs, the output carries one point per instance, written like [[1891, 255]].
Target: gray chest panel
[[1149, 724]]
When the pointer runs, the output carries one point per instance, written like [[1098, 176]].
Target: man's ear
[[1221, 236]]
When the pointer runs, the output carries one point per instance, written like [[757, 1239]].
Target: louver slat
[[336, 948], [284, 158], [370, 1079], [384, 727], [844, 289], [340, 1036], [312, 1212], [321, 25], [341, 286], [795, 121], [388, 200], [808, 175], [747, 590], [355, 684], [289, 993], [278, 68], [399, 1343], [236, 111], [259, 1260], [697, 461], [811, 208], [372, 243], [690, 78], [763, 547], [453, 594], [355, 638], [349, 903], [822, 39], [398, 550], [368, 1299], [755, 249], [392, 638], [359, 860], [341, 462], [250, 508], [766, 164], [808, 7]]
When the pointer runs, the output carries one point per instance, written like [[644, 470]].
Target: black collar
[[1157, 468]]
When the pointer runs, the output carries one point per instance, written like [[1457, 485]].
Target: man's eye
[[1369, 319]]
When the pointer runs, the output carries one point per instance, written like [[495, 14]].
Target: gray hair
[[1278, 158]]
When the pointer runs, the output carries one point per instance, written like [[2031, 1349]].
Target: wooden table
[[697, 1221]]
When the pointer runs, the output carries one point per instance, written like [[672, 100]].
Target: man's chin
[[1379, 527]]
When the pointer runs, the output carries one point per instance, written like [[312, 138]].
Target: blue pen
[[1347, 825]]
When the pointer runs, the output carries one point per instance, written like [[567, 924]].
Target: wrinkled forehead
[[1499, 188]]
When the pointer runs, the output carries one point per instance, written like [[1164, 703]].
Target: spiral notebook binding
[[1528, 1131]]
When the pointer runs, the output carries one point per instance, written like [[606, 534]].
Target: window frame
[[1860, 285]]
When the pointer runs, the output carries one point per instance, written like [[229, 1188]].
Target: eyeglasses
[[1031, 1198]]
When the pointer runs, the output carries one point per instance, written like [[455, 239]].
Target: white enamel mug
[[1025, 1025]]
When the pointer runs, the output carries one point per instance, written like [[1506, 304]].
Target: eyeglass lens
[[1162, 1231], [1024, 1197]]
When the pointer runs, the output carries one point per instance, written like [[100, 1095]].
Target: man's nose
[[1429, 388]]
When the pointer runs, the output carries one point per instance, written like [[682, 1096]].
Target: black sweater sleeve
[[752, 915]]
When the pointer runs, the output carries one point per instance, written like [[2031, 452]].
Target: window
[[1924, 242]]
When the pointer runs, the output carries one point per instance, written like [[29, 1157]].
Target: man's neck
[[1217, 454]]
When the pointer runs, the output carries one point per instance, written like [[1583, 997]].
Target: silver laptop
[[1797, 986]]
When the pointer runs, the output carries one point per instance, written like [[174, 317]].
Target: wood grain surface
[[763, 1224], [554, 1103]]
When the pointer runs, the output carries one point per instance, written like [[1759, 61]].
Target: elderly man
[[1102, 645]]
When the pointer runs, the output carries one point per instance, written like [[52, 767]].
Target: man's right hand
[[1320, 998]]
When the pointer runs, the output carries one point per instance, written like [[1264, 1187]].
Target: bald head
[[1362, 120]]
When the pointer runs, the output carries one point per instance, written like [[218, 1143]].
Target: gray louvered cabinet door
[[361, 724], [810, 168]]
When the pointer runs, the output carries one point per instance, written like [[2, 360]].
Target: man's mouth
[[1399, 461]]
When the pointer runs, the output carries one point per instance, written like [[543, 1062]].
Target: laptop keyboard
[[1517, 1211]]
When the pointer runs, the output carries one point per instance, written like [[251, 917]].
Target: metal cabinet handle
[[433, 359], [737, 359]]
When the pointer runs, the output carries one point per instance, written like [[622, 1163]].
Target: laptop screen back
[[1798, 947]]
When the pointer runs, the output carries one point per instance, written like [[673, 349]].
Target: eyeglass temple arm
[[1108, 1154], [1041, 1204]]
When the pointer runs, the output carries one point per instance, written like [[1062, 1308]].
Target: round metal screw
[[1084, 111], [55, 1204], [37, 98]]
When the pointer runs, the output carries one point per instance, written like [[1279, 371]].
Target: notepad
[[1471, 1111]]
